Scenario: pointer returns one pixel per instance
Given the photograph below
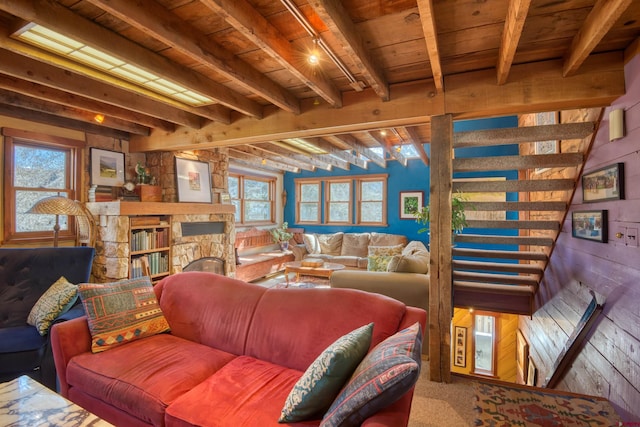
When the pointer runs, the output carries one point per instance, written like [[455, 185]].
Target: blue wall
[[413, 177]]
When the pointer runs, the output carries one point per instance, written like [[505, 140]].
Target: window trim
[[271, 181], [298, 184], [13, 137], [328, 202], [384, 201], [494, 344]]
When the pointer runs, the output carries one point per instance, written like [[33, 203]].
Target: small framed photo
[[107, 167], [532, 373], [604, 184], [522, 358], [549, 146], [410, 203], [194, 181], [460, 347], [590, 225]]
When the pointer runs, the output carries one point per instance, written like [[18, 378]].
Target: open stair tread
[[508, 240], [494, 287], [498, 266], [509, 279]]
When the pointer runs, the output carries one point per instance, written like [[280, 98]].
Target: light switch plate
[[632, 237]]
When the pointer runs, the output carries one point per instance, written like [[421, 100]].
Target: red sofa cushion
[[245, 392], [143, 377], [209, 308], [291, 327]]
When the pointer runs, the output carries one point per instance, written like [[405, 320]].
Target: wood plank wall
[[608, 365]]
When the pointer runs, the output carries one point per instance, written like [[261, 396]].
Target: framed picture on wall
[[410, 203], [532, 373], [590, 225], [107, 167], [522, 358], [194, 181], [604, 184], [460, 347]]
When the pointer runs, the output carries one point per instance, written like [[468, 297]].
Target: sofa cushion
[[330, 244], [19, 339], [58, 299], [385, 239], [379, 256], [319, 385], [163, 366], [311, 243], [355, 244], [385, 374], [245, 392], [121, 312]]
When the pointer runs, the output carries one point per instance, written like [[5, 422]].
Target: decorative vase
[[284, 246]]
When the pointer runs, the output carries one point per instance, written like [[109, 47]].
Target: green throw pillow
[[320, 384], [57, 300], [121, 312], [379, 256]]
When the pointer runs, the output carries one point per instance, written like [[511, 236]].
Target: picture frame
[[410, 203], [522, 358], [194, 181], [606, 183], [550, 146], [532, 372], [460, 347], [107, 167], [590, 225]]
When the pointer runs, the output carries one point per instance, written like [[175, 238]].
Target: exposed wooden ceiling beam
[[524, 134], [388, 148], [333, 161], [39, 117], [600, 20], [337, 152], [259, 152], [513, 25], [237, 154], [71, 100], [64, 21], [27, 69], [289, 151], [255, 27], [151, 18], [431, 35], [253, 164], [359, 148], [337, 20], [417, 144], [29, 103]]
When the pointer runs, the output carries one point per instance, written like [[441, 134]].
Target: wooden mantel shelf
[[157, 208]]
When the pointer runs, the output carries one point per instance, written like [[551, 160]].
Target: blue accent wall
[[413, 177]]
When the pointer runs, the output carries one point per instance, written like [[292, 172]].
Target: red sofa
[[233, 355]]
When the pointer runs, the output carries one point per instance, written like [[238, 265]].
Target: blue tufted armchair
[[25, 274]]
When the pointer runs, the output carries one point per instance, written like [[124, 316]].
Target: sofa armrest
[[299, 251], [396, 414], [69, 339]]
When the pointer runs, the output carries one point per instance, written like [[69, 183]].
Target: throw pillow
[[311, 243], [57, 300], [385, 374], [320, 384], [121, 312], [379, 256], [355, 244], [330, 244], [415, 263]]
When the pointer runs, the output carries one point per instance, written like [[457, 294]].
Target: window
[[484, 344], [366, 195], [339, 202], [308, 210], [253, 198], [37, 166]]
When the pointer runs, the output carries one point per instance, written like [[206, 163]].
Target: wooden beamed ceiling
[[394, 66]]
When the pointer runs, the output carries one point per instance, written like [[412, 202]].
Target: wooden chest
[[149, 193]]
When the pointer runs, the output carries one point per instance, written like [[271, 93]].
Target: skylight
[[67, 47], [304, 145]]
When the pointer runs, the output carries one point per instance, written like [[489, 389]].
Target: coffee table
[[25, 402], [323, 271]]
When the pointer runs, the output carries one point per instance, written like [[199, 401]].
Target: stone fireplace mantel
[[156, 208]]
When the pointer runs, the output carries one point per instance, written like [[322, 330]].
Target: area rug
[[304, 282], [505, 406]]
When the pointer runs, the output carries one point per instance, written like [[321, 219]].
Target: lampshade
[[59, 205]]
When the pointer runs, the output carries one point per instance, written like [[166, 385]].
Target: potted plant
[[281, 235], [458, 217]]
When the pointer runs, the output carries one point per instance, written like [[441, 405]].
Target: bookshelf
[[150, 246]]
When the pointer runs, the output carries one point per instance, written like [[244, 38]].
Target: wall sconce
[[99, 118], [616, 124]]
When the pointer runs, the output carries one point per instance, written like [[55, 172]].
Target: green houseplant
[[281, 235], [458, 216]]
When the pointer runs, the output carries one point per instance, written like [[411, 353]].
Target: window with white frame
[[373, 204], [253, 198], [339, 202], [38, 166]]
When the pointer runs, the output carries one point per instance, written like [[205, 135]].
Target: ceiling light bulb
[[264, 162], [383, 132], [98, 118], [314, 56]]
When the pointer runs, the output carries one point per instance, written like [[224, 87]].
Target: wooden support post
[[440, 288]]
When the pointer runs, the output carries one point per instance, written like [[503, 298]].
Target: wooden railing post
[[440, 289]]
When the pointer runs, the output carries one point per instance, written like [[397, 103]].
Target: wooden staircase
[[513, 222]]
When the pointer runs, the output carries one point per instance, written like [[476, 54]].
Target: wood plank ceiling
[[395, 64]]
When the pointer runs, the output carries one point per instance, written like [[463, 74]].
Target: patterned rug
[[304, 282], [505, 406]]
